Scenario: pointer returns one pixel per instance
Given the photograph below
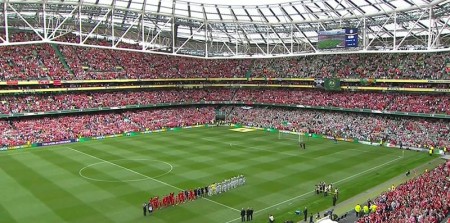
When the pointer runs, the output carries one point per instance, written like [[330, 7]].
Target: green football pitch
[[108, 180], [330, 44]]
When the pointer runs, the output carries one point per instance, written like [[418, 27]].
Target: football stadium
[[201, 111]]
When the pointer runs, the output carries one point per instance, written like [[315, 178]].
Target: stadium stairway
[[61, 57], [248, 73], [349, 217]]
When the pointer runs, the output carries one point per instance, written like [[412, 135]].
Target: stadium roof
[[276, 27], [272, 11]]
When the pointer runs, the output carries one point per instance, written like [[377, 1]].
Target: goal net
[[296, 136]]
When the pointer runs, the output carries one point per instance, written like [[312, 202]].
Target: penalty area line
[[148, 177], [339, 181]]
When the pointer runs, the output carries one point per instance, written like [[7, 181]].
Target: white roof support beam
[[104, 18], [264, 30], [255, 43], [158, 33], [80, 27], [410, 30], [279, 38], [142, 24], [113, 9], [308, 41], [444, 26], [135, 22], [37, 32], [376, 33], [44, 15], [52, 34], [5, 12], [190, 37]]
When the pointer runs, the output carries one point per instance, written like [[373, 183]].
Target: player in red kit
[[172, 198], [155, 203], [191, 195]]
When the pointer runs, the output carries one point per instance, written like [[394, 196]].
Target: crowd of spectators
[[411, 132], [29, 62], [424, 199], [55, 102], [95, 63], [391, 66], [41, 61], [430, 103], [35, 130]]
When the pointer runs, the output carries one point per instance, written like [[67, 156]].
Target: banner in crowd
[[332, 84], [84, 139], [370, 143], [56, 143], [270, 129], [367, 81], [131, 133]]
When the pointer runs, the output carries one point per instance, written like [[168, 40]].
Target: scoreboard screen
[[339, 38], [351, 37]]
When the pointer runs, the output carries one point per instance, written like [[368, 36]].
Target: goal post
[[287, 135]]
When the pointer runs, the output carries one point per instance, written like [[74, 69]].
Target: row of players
[[322, 187], [155, 202], [226, 185]]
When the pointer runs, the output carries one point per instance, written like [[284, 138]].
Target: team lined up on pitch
[[192, 194]]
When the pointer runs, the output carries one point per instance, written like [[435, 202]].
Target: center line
[[151, 178]]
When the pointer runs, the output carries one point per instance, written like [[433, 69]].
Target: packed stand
[[430, 104], [96, 63], [391, 66], [21, 63], [144, 65], [182, 117], [424, 199], [29, 62], [90, 62], [47, 129], [410, 132], [56, 102]]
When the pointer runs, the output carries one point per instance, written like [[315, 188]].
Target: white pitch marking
[[151, 178], [115, 181], [339, 181]]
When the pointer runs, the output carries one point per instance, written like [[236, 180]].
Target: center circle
[[125, 170]]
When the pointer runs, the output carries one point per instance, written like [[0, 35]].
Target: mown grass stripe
[[52, 195], [275, 173]]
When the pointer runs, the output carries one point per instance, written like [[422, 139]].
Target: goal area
[[295, 136]]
